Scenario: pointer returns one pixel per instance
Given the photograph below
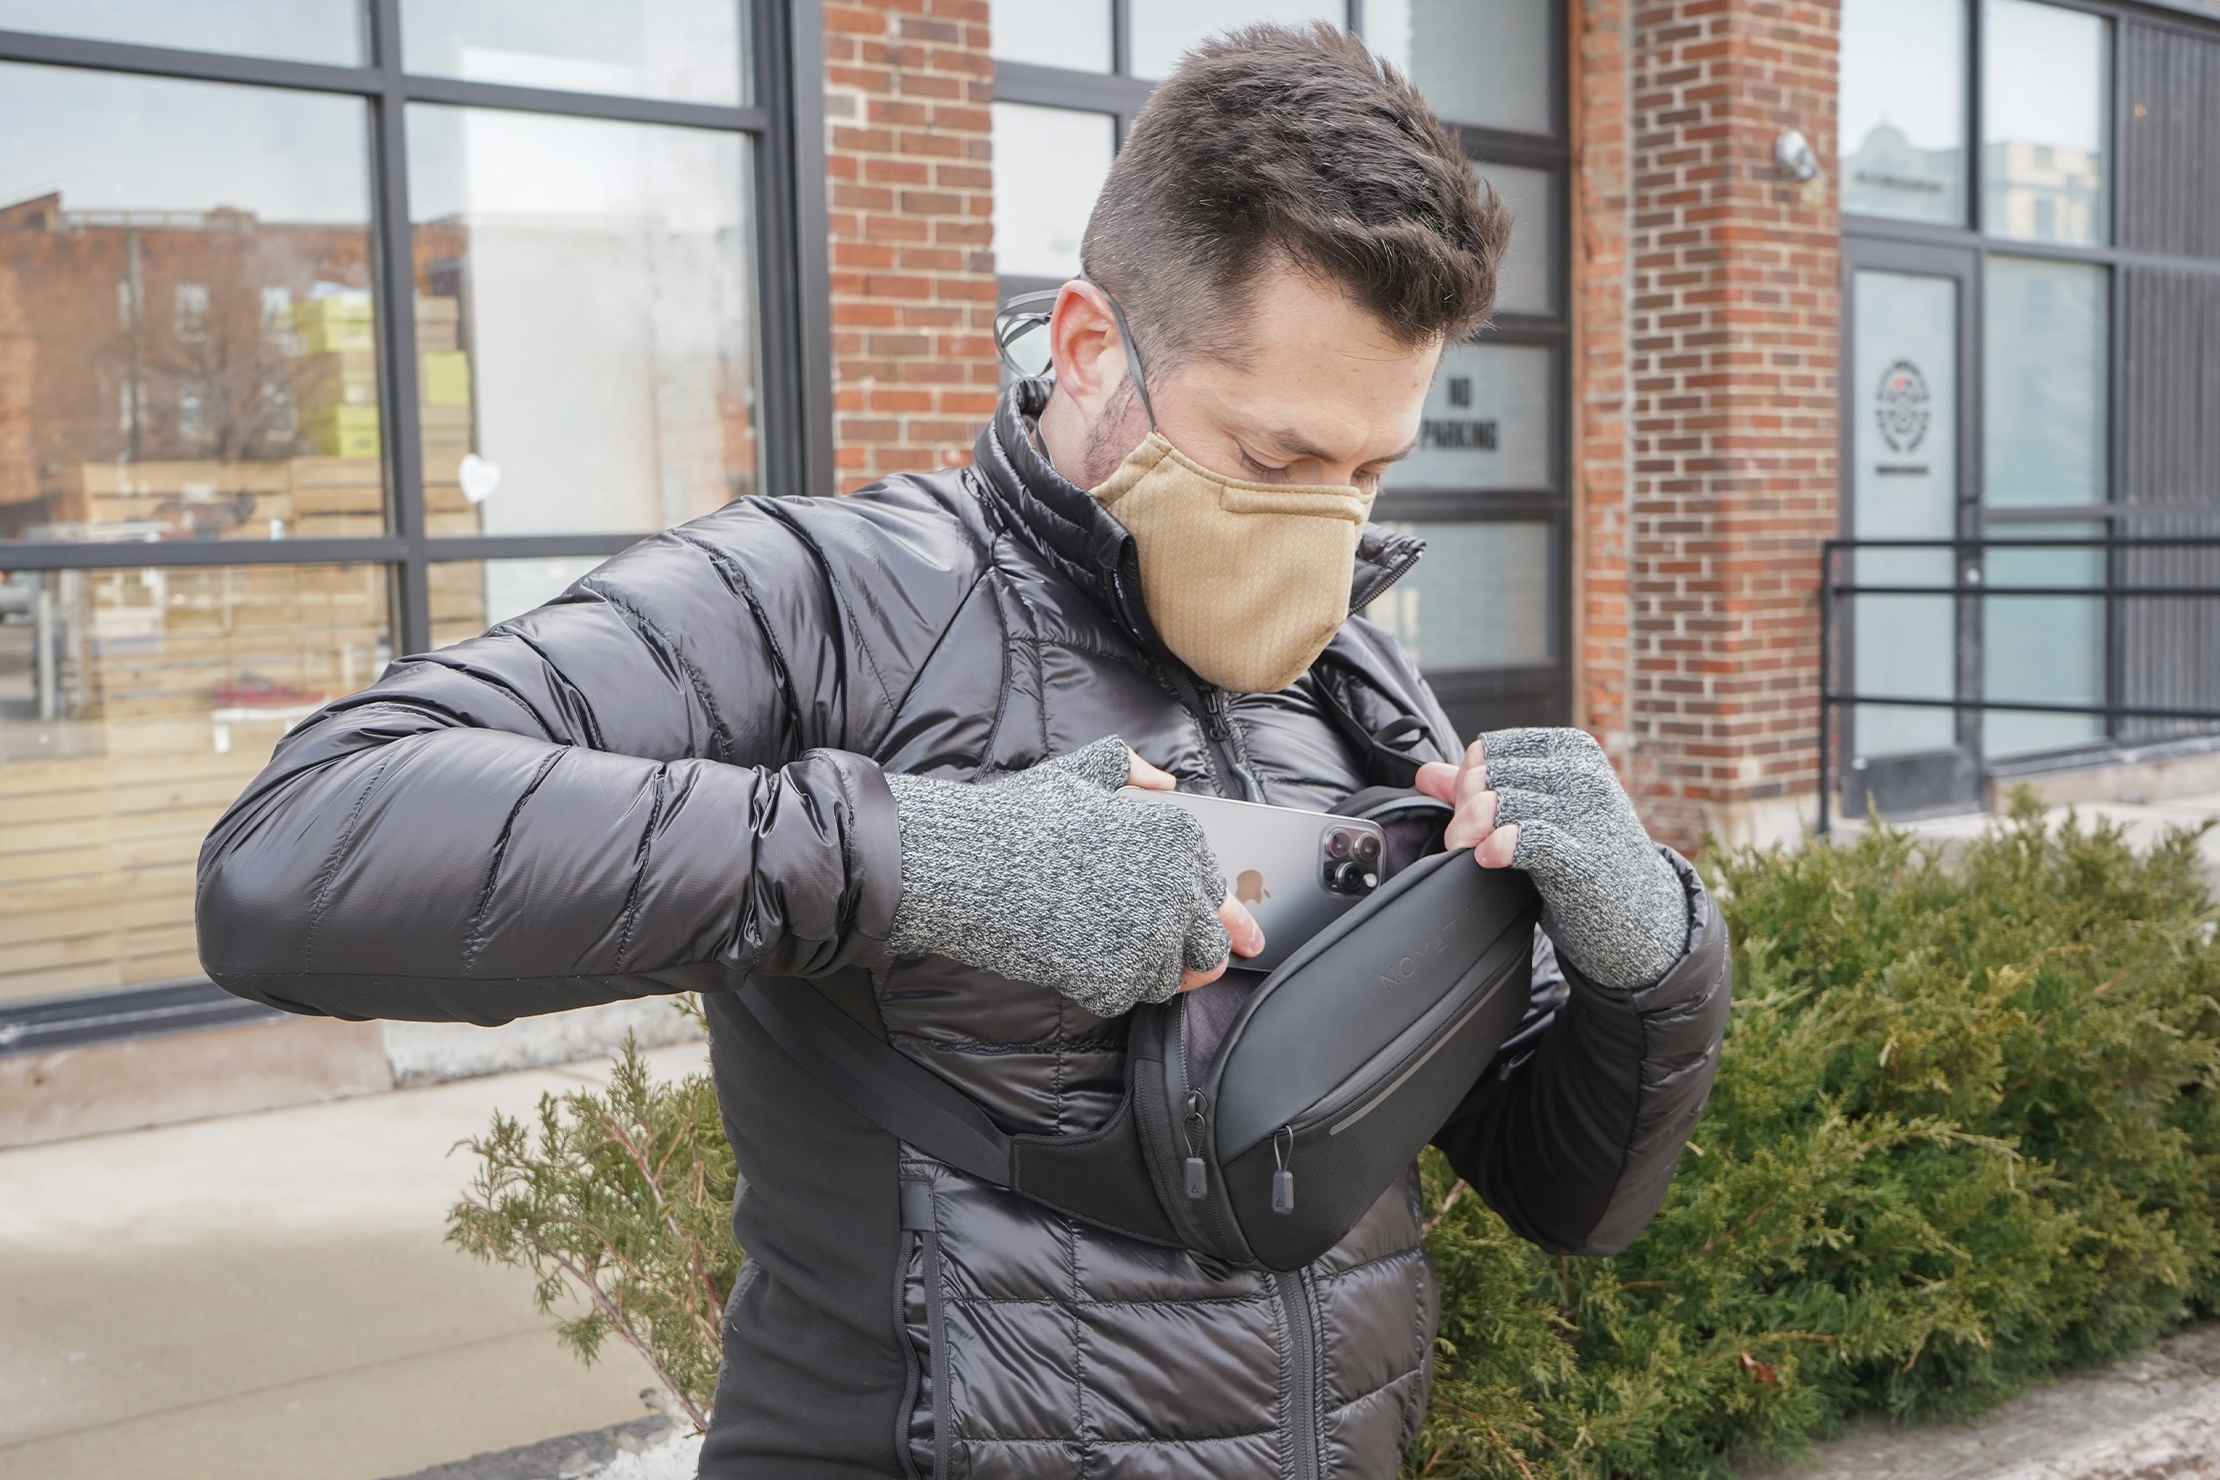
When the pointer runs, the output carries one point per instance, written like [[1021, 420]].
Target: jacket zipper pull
[[1283, 1178], [1198, 1176]]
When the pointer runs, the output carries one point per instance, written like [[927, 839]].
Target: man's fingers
[[1241, 927], [1190, 979], [1140, 773], [1474, 821], [1438, 779], [1498, 848]]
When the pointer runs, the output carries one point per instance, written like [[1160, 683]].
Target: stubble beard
[[1112, 438]]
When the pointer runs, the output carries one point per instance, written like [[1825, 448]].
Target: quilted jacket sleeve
[[643, 788], [1574, 1133]]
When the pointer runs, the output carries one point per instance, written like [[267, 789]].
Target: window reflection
[[1479, 599], [1049, 164], [185, 311], [2045, 101], [1903, 109], [134, 705], [469, 596], [2044, 382], [1522, 285], [295, 30], [687, 50], [1478, 61], [1165, 30], [1073, 34], [584, 322]]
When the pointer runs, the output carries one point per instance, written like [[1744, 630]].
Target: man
[[871, 743]]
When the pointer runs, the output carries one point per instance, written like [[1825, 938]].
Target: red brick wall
[[1714, 470], [909, 160]]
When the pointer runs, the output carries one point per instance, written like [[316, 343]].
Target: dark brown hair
[[1278, 143]]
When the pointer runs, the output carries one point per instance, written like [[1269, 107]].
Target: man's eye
[[1261, 470]]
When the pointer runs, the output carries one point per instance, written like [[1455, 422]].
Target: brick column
[[909, 145], [1717, 479]]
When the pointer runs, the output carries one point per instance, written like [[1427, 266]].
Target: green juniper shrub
[[1966, 1133], [622, 1206]]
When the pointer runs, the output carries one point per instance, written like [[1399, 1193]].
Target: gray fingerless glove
[[1609, 899], [1050, 877]]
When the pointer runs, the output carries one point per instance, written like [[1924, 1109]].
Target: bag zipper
[[1302, 1396]]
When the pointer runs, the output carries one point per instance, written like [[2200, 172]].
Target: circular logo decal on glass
[[1901, 406]]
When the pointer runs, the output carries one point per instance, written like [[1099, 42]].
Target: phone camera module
[[1347, 876]]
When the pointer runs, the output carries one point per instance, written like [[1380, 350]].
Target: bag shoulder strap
[[879, 1082], [1104, 1177]]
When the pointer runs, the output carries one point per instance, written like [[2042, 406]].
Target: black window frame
[[1477, 699], [785, 133]]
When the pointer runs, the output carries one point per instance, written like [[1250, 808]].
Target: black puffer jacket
[[671, 778]]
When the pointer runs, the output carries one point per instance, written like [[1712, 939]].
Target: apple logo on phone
[[1249, 888]]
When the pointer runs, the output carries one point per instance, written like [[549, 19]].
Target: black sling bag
[[1334, 1074]]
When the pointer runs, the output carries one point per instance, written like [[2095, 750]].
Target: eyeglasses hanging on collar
[[1015, 320], [1030, 311]]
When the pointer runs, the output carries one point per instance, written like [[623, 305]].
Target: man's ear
[[1088, 351]]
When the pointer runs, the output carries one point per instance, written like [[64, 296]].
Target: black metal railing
[[2185, 656]]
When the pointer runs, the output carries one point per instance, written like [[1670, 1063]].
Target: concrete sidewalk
[[268, 1297]]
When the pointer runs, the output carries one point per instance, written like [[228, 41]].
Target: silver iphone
[[1296, 871]]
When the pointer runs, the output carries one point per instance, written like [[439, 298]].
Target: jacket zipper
[[1209, 710], [1302, 1398]]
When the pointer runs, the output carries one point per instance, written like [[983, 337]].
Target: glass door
[[1906, 447]]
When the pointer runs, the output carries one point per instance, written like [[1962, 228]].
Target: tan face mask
[[1246, 582]]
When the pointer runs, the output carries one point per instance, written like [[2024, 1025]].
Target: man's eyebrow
[[1293, 445]]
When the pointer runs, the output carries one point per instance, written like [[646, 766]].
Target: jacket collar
[[1063, 521]]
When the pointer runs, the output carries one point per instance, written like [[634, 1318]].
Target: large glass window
[[1487, 422], [1476, 60], [1165, 30], [686, 50], [548, 410], [2045, 99], [187, 300], [296, 30], [135, 703], [258, 437], [1902, 109], [1057, 159], [1526, 281], [1480, 598], [1072, 34]]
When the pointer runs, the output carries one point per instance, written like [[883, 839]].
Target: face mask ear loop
[[1132, 352]]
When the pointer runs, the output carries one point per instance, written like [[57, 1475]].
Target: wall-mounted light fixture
[[1794, 154]]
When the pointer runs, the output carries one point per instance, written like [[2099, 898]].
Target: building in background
[[346, 328]]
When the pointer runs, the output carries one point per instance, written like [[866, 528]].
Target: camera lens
[[1337, 844], [1346, 877], [1368, 848]]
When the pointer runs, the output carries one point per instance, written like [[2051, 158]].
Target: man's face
[[1323, 394]]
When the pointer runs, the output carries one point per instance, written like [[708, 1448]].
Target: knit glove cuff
[[1610, 899], [1051, 877]]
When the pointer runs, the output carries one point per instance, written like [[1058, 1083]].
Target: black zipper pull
[[1283, 1178], [1198, 1175]]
